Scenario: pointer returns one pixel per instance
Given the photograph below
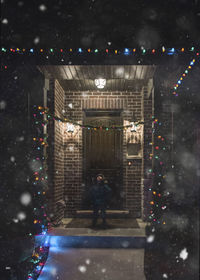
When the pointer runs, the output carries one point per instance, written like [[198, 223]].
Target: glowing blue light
[[171, 51], [179, 82], [191, 63], [126, 51], [80, 50], [31, 50]]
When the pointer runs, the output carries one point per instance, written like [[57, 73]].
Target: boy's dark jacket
[[100, 193]]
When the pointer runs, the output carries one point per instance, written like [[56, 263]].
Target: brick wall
[[134, 108], [56, 152]]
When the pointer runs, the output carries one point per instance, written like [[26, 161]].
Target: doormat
[[111, 223]]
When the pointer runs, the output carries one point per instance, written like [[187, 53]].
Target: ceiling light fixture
[[100, 83]]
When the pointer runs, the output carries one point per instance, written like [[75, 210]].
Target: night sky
[[100, 23]]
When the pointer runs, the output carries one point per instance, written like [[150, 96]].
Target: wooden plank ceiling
[[118, 77]]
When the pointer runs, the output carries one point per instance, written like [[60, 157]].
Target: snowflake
[[183, 254], [25, 199], [20, 138], [150, 238], [42, 8], [53, 271], [5, 21], [103, 270], [165, 275], [36, 40], [21, 216], [125, 244], [2, 105], [82, 268], [12, 159], [88, 261]]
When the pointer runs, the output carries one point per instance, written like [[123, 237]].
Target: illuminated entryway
[[78, 154]]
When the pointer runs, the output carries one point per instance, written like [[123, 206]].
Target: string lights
[[71, 123], [125, 51], [39, 178], [181, 78]]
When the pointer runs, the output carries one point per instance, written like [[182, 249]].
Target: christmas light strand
[[155, 202], [40, 253], [85, 126], [124, 51], [181, 78]]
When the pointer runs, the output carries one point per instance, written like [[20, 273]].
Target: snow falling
[[36, 40], [82, 268], [5, 21], [98, 34], [2, 105], [21, 216], [150, 238], [42, 8], [25, 199], [184, 254]]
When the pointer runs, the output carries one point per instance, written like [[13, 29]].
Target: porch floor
[[62, 230]]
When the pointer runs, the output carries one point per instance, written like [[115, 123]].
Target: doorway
[[102, 153]]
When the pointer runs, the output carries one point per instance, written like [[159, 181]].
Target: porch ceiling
[[118, 77]]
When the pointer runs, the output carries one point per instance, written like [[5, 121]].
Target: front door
[[103, 154]]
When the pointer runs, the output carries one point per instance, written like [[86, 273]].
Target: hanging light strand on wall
[[132, 125]]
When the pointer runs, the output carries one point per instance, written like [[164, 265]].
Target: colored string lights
[[181, 78], [158, 201], [39, 177], [44, 110], [125, 51]]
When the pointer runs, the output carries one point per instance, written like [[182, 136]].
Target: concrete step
[[94, 264], [98, 238], [114, 242]]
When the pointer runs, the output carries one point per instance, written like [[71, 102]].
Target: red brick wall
[[133, 105], [56, 152]]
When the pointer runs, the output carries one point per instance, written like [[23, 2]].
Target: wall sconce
[[133, 127], [70, 127], [100, 83]]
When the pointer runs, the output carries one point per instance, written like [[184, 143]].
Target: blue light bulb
[[126, 51]]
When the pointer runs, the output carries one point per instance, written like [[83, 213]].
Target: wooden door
[[103, 154]]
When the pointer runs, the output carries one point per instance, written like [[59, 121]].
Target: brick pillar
[[56, 152]]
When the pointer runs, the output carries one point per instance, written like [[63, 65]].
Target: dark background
[[97, 23]]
